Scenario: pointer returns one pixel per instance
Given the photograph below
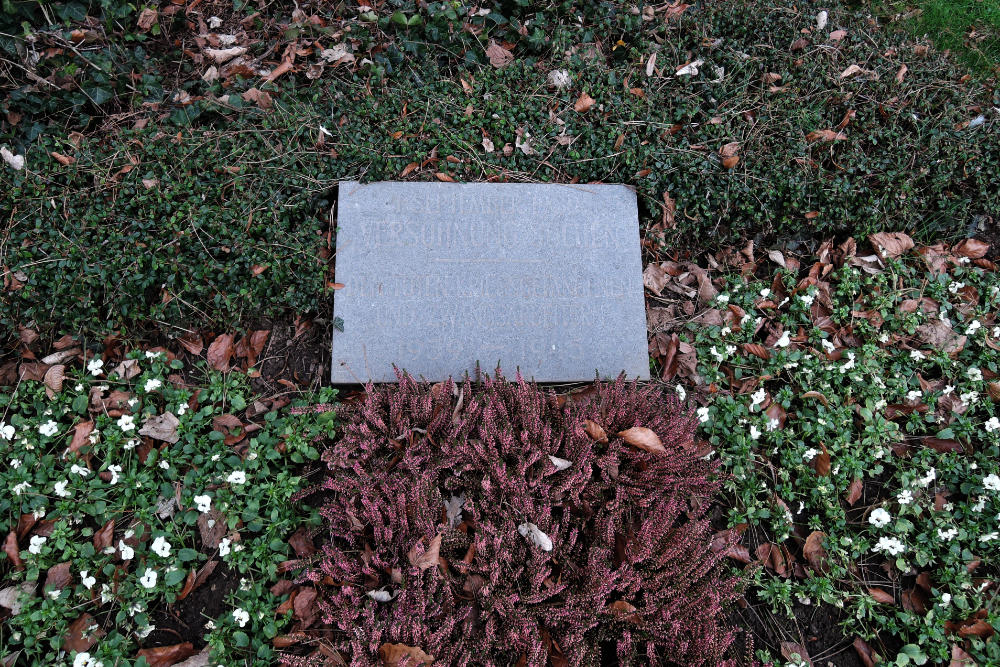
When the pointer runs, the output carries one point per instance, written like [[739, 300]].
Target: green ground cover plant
[[852, 397], [218, 194], [970, 28], [126, 490]]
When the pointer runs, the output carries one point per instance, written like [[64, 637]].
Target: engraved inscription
[[440, 278]]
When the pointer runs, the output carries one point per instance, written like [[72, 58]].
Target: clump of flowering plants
[[496, 523], [852, 396], [124, 490]]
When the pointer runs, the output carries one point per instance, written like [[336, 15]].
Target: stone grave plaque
[[440, 277]]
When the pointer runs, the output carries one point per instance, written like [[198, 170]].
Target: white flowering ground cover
[[125, 491], [853, 399]]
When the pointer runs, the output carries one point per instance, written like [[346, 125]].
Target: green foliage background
[[238, 187]]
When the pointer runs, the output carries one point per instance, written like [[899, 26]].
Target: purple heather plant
[[482, 525]]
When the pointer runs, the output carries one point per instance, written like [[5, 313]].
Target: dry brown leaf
[[161, 427], [81, 435], [814, 552], [891, 244], [146, 19], [757, 350], [643, 438], [428, 558], [854, 492], [443, 177], [164, 656], [396, 655], [13, 551], [790, 649], [838, 35], [583, 103], [595, 431], [821, 463], [212, 526], [64, 160], [881, 595], [971, 248], [825, 135], [54, 380], [105, 536], [220, 351], [901, 73], [192, 343], [499, 56], [259, 97], [818, 396], [58, 576], [730, 149], [408, 169], [959, 658], [775, 557], [79, 637]]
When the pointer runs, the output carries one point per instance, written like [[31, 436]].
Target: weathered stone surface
[[441, 276]]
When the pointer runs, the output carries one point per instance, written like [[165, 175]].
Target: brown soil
[[184, 621]]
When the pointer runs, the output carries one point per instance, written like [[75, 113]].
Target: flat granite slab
[[440, 277]]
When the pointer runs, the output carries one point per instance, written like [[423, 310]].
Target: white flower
[[828, 345], [15, 463], [947, 390], [153, 355], [79, 470], [849, 364], [917, 355], [126, 423], [807, 299], [115, 471], [144, 632], [87, 580], [730, 349], [78, 387], [20, 488], [992, 424], [914, 394], [879, 517], [49, 428], [35, 544], [757, 398], [722, 298], [772, 424], [224, 546], [945, 599], [974, 326], [237, 477], [929, 477], [754, 432], [181, 409], [132, 402], [152, 385], [996, 332], [128, 553], [702, 414], [784, 341], [95, 365], [204, 503], [38, 513], [904, 497], [955, 286], [148, 580], [60, 489], [131, 444], [163, 464], [992, 482], [241, 617], [989, 537], [980, 504], [535, 536], [765, 292], [890, 545], [883, 337], [810, 454], [210, 624], [947, 535], [974, 374], [681, 393], [6, 431], [161, 547], [969, 397], [84, 659], [106, 595], [715, 353]]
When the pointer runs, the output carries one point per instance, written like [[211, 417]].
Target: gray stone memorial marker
[[439, 276]]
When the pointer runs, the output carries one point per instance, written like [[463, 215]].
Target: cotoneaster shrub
[[491, 529]]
